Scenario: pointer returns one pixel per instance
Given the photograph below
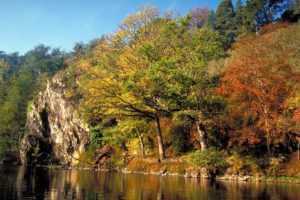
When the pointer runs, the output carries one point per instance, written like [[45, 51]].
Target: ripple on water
[[43, 183]]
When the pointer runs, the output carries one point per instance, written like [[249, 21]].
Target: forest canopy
[[231, 76]]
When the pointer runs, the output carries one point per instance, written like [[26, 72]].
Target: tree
[[3, 76], [293, 120], [124, 88], [258, 13], [239, 7], [13, 111], [198, 17], [127, 128], [148, 69], [41, 60], [21, 77], [257, 95], [292, 14], [225, 19], [210, 22]]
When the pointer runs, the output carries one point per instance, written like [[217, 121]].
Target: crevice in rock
[[70, 149], [76, 136], [45, 123]]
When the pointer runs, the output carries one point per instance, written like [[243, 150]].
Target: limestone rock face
[[54, 127]]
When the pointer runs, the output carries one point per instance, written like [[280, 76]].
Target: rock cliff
[[54, 129]]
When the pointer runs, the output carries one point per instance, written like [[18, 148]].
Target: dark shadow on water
[[43, 183]]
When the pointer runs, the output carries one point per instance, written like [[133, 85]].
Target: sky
[[61, 23]]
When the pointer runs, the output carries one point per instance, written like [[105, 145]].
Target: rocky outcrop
[[54, 127]]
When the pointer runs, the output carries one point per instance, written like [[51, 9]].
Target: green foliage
[[156, 67], [29, 106], [21, 77], [257, 13], [293, 12], [4, 146], [242, 164], [211, 158], [239, 12], [180, 135], [225, 19], [96, 136], [211, 21], [36, 153], [250, 13]]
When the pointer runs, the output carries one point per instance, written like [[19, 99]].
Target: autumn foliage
[[258, 80], [159, 68]]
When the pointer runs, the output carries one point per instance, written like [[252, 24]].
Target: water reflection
[[42, 183]]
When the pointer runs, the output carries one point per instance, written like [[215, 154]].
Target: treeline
[[233, 76], [21, 78]]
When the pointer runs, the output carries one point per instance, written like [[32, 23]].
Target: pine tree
[[225, 19], [260, 12], [210, 22], [292, 14], [239, 15]]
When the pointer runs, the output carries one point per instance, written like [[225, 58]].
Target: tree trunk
[[268, 131], [141, 141], [268, 146], [201, 132], [299, 150], [159, 139]]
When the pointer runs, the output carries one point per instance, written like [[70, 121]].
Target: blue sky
[[60, 23]]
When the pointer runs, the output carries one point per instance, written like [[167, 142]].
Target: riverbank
[[164, 170]]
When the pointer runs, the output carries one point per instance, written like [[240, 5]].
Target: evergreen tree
[[292, 14], [225, 19], [251, 11], [260, 12], [239, 15], [210, 22]]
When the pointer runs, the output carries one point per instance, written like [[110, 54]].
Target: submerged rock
[[54, 127]]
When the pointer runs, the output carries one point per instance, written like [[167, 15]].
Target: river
[[44, 183]]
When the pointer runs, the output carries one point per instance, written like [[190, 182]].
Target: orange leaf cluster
[[256, 84]]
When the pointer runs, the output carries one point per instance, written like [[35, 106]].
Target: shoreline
[[225, 178]]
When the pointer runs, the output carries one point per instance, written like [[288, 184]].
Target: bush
[[96, 136], [246, 164], [212, 159]]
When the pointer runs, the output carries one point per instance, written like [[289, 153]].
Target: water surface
[[43, 183]]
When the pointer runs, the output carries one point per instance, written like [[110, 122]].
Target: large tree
[[210, 21], [198, 17], [238, 18], [225, 19], [260, 12], [257, 82], [148, 69], [293, 12]]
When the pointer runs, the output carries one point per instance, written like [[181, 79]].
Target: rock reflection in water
[[43, 183]]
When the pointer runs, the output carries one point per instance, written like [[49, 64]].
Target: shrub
[[96, 136], [239, 163], [212, 159]]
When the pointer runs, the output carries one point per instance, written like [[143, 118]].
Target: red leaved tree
[[256, 83]]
